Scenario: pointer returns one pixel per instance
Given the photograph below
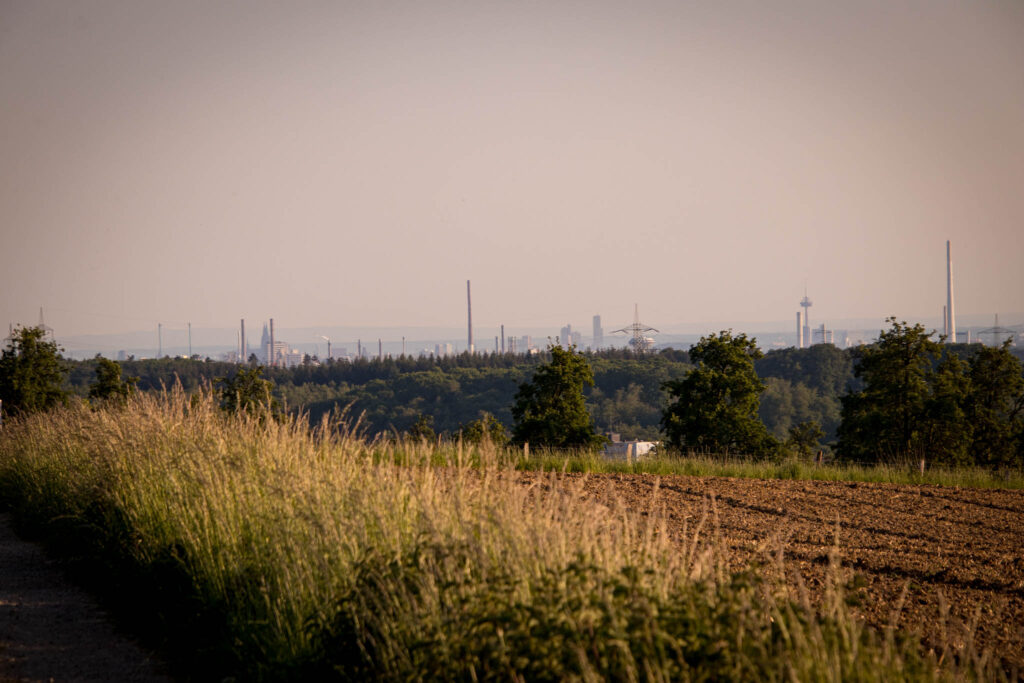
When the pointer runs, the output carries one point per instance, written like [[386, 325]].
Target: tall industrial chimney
[[799, 332], [469, 318], [806, 303], [243, 356], [503, 339], [271, 359], [951, 317]]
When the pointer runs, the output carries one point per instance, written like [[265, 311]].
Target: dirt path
[[966, 545], [52, 631]]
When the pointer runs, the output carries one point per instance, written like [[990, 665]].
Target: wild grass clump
[[262, 550]]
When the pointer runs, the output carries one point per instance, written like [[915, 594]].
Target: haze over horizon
[[353, 164]]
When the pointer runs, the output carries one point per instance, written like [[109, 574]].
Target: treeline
[[628, 397], [951, 404], [904, 396]]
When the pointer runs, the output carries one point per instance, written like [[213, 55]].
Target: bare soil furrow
[[955, 556]]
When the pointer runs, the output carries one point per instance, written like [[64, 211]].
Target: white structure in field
[[629, 451]]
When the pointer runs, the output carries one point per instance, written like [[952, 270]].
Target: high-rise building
[[278, 355], [567, 336], [265, 344], [598, 341]]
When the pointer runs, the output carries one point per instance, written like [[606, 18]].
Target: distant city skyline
[[343, 163], [344, 339]]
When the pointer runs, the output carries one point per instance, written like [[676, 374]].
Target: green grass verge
[[704, 466]]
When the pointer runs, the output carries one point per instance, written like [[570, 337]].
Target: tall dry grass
[[269, 551]]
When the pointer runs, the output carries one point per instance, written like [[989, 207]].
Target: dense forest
[[628, 398], [803, 385]]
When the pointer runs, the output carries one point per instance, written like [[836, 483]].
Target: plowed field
[[965, 544]]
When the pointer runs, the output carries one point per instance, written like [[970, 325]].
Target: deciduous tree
[[486, 427], [995, 407], [805, 438], [714, 407], [246, 391], [550, 410], [109, 385], [32, 372], [906, 398], [422, 429], [947, 432]]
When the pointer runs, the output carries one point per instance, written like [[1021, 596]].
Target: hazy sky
[[354, 163]]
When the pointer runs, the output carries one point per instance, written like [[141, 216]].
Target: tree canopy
[[484, 428], [995, 406], [921, 400], [421, 430], [888, 417], [109, 386], [247, 392], [32, 372], [550, 410], [714, 407]]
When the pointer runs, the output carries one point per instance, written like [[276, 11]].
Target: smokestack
[[380, 349], [271, 357], [243, 356], [469, 318], [503, 339], [950, 315], [799, 332]]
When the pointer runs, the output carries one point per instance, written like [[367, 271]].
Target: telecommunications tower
[[806, 303]]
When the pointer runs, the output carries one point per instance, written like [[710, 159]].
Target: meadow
[[255, 549]]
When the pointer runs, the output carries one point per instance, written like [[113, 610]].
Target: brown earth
[[965, 545]]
